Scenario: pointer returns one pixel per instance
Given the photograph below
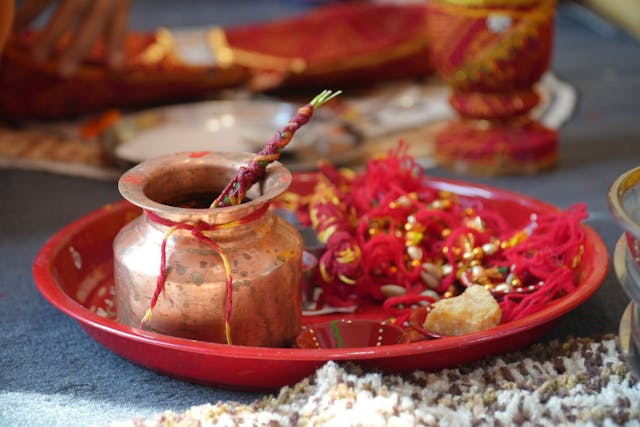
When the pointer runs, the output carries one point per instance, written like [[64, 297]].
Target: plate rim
[[111, 137]]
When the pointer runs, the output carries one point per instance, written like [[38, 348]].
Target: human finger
[[66, 16], [117, 33], [28, 11], [91, 28]]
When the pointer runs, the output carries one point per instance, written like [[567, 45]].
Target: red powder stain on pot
[[133, 179], [198, 154]]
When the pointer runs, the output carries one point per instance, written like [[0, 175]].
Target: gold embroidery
[[227, 56], [491, 3], [162, 48], [482, 10]]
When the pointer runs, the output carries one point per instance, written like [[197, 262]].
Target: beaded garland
[[392, 239]]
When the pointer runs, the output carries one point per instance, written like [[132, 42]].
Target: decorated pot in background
[[226, 275], [491, 53]]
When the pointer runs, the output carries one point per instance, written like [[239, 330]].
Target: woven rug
[[576, 382]]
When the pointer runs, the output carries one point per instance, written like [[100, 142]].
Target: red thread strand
[[197, 231], [368, 211]]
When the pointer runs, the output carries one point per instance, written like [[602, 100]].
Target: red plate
[[74, 271]]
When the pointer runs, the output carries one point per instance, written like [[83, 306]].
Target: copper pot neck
[[156, 184]]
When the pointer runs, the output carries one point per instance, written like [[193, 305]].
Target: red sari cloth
[[330, 46]]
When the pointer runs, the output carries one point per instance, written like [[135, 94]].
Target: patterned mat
[[62, 151], [576, 382]]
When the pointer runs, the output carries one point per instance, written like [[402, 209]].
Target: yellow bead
[[513, 281], [477, 252], [514, 240], [413, 238], [468, 256]]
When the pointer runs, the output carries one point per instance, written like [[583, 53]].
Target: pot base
[[483, 147]]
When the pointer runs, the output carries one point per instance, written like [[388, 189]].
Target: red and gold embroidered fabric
[[333, 45]]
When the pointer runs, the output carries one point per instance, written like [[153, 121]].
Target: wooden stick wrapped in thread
[[234, 192]]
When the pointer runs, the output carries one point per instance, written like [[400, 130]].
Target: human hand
[[85, 21]]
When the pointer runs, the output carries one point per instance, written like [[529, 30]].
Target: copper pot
[[264, 253]]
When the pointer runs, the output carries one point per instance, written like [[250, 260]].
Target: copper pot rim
[[132, 184]]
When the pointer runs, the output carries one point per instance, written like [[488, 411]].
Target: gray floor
[[51, 373]]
